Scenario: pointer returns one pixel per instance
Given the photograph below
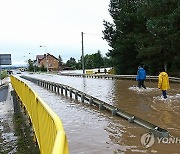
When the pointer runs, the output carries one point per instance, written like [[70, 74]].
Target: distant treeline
[[144, 32], [91, 61]]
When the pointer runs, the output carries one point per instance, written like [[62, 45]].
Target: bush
[[4, 74]]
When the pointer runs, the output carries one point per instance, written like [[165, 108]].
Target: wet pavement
[[7, 136], [90, 131], [15, 133]]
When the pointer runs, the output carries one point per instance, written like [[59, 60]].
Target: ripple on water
[[142, 90], [108, 136]]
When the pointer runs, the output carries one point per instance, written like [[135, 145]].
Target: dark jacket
[[141, 74]]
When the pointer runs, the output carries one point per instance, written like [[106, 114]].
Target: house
[[43, 60]]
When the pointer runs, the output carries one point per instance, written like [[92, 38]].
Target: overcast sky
[[56, 24]]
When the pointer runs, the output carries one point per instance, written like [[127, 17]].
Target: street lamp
[[33, 61], [46, 57]]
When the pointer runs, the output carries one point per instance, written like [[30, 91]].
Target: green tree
[[162, 23], [93, 60], [60, 60], [30, 65], [120, 35], [107, 62], [43, 69], [143, 32], [71, 63], [89, 61], [98, 60]]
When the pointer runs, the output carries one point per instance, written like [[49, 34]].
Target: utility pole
[[82, 54]]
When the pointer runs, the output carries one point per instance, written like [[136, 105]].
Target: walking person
[[141, 76], [163, 82]]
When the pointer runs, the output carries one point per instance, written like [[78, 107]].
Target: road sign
[[5, 59]]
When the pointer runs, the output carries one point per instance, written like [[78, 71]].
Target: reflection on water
[[91, 131]]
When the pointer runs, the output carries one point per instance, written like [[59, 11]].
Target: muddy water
[[91, 131]]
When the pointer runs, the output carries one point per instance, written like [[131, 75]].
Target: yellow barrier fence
[[47, 125]]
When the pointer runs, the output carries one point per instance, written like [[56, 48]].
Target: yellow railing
[[47, 126]]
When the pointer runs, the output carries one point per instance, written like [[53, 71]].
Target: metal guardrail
[[120, 77], [85, 98], [47, 126]]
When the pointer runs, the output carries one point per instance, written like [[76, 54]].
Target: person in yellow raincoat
[[163, 82]]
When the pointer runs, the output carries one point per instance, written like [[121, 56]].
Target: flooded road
[[90, 131]]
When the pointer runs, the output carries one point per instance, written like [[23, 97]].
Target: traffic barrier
[[120, 77], [47, 126], [85, 98]]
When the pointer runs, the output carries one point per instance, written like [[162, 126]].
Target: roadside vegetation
[[144, 32], [4, 74]]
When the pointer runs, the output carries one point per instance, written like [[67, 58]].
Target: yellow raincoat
[[163, 82]]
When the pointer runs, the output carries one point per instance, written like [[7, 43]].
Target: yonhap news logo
[[148, 140]]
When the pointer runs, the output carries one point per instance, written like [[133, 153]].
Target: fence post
[[76, 95], [62, 90], [70, 93], [101, 107], [57, 89], [91, 101], [114, 111], [82, 98], [66, 91]]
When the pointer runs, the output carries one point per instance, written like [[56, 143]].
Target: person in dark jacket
[[141, 76]]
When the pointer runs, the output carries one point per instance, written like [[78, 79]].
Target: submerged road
[[92, 131]]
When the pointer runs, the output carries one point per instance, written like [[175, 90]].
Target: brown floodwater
[[90, 131]]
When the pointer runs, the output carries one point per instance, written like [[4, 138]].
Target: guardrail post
[[66, 91], [51, 86], [82, 98], [70, 93], [91, 101], [54, 88], [76, 95], [114, 111], [101, 107], [45, 85], [131, 120], [58, 89], [62, 90]]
